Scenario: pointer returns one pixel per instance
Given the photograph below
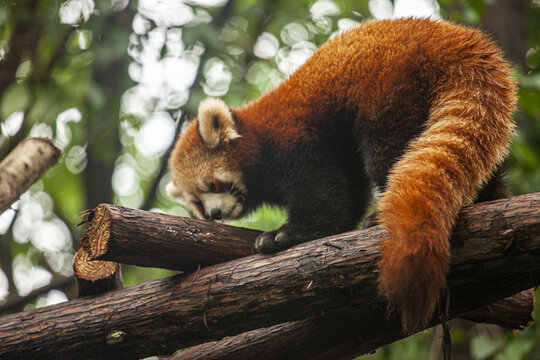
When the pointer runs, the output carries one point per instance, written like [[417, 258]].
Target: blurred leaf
[[483, 347], [265, 218], [16, 98], [517, 349], [532, 58], [532, 81]]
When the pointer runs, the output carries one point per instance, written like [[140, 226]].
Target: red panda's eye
[[213, 187], [199, 205]]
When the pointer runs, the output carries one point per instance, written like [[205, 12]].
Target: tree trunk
[[496, 253], [24, 166]]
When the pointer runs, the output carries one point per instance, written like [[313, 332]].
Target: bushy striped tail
[[441, 171]]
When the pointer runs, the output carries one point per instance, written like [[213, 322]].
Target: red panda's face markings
[[204, 173], [223, 196], [218, 197]]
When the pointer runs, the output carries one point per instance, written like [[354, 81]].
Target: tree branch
[[144, 238], [496, 253], [65, 284], [329, 338], [24, 166]]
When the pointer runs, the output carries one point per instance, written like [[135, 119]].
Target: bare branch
[[24, 166]]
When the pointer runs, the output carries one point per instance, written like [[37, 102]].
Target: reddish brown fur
[[371, 71]]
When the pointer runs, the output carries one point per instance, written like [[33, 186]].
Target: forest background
[[113, 81]]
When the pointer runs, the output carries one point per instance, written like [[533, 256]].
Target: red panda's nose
[[215, 214]]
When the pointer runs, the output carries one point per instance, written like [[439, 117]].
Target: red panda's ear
[[216, 123], [172, 190]]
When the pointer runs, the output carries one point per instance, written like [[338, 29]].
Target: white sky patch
[[416, 8], [141, 25], [217, 77], [166, 13], [63, 132], [41, 130], [153, 77], [294, 33], [28, 277], [12, 124], [5, 220], [159, 126], [174, 43], [51, 298], [31, 212], [124, 180], [181, 71], [51, 236], [323, 8], [4, 285], [383, 9], [136, 101], [74, 12], [290, 59], [266, 46]]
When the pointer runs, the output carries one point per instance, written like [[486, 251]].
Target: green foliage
[[265, 219], [105, 67]]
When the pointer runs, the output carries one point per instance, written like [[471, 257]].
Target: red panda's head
[[204, 173]]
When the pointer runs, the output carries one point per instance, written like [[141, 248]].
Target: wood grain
[[145, 238], [496, 254], [94, 276]]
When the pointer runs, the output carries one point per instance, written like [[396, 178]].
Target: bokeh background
[[113, 81]]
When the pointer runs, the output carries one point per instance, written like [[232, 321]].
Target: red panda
[[419, 108]]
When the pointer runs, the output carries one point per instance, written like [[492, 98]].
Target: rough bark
[[66, 284], [23, 166], [512, 313], [95, 277], [135, 234], [323, 338], [496, 253], [144, 238]]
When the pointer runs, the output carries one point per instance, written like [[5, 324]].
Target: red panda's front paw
[[272, 241]]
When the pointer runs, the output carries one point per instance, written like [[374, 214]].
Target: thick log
[[335, 338], [145, 238], [512, 313], [95, 277], [496, 253], [24, 166]]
